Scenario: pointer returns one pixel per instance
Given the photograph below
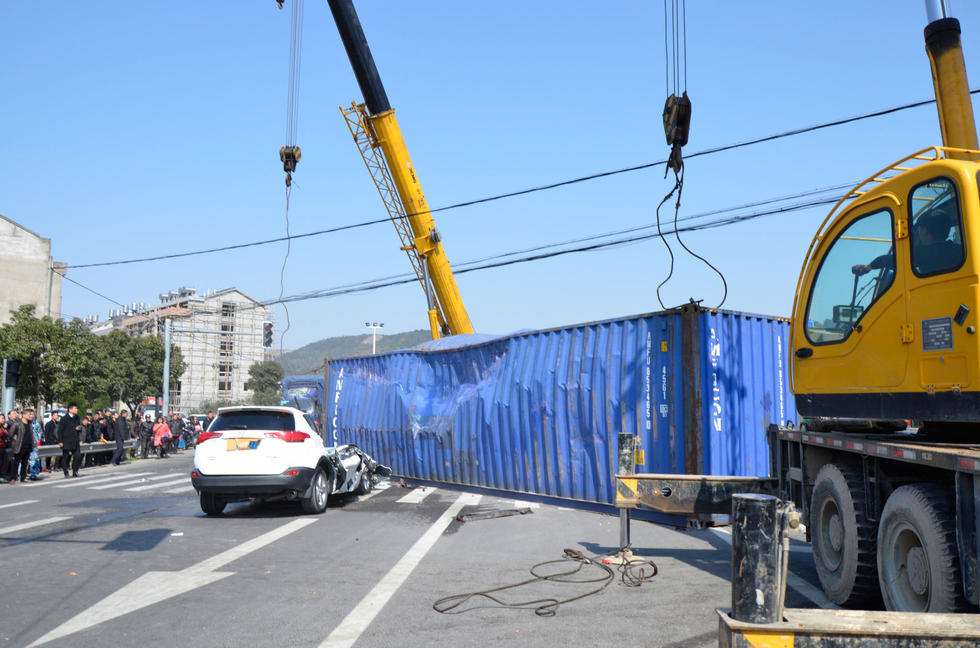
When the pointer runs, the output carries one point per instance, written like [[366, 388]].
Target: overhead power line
[[94, 292], [522, 192], [501, 260]]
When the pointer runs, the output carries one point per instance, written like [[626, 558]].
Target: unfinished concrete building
[[219, 334]]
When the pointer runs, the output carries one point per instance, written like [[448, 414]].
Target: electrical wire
[[660, 233], [368, 286], [677, 235], [94, 292], [530, 190]]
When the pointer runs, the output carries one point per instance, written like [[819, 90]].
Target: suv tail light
[[204, 436], [289, 436]]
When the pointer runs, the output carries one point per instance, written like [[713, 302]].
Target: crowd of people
[[21, 435]]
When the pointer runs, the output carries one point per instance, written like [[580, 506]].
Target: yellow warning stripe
[[768, 639]]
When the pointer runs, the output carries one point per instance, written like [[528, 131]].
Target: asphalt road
[[123, 556]]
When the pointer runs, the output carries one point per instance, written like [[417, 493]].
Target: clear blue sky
[[146, 128]]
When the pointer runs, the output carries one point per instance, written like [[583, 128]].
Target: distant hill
[[309, 358]]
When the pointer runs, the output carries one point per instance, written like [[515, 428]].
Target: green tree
[[83, 380], [145, 369], [264, 380], [40, 345]]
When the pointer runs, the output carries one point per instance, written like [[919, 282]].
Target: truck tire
[[211, 504], [316, 502], [843, 538], [918, 562]]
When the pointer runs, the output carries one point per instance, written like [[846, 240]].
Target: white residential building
[[220, 335]]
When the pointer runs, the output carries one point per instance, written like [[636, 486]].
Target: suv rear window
[[276, 421]]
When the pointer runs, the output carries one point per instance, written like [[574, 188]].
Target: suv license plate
[[242, 444]]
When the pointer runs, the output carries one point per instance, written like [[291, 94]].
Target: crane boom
[[384, 133]]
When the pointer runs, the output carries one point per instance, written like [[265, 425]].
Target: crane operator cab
[[885, 317]]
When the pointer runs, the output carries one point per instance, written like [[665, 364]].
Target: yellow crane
[[885, 314], [375, 128]]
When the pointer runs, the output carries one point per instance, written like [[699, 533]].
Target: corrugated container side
[[539, 412], [745, 388]]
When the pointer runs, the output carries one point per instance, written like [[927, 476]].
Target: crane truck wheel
[[918, 563], [843, 538]]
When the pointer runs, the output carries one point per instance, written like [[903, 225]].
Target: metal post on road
[[756, 558], [626, 466], [166, 368]]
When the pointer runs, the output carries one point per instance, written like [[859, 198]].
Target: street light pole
[[374, 326]]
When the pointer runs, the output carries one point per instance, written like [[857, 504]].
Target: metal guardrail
[[86, 448]]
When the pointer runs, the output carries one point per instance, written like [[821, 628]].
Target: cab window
[[857, 270], [937, 231]]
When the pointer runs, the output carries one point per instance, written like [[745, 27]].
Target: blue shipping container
[[539, 411]]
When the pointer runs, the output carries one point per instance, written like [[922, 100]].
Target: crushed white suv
[[275, 453]]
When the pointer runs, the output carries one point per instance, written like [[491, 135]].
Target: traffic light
[[12, 376], [267, 334]]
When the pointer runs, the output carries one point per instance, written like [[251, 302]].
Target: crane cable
[[677, 125], [290, 153]]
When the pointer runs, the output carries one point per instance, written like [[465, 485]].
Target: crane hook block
[[677, 119], [290, 156]]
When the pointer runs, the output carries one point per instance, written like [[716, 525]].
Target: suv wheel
[[319, 492], [211, 504]]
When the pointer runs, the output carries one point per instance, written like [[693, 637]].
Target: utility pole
[[4, 407], [166, 369], [374, 326]]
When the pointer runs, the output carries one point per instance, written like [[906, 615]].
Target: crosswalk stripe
[[101, 480], [416, 496], [182, 480], [31, 525], [134, 481], [182, 489], [18, 504], [523, 504]]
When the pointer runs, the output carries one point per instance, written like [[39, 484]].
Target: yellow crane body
[[885, 316], [426, 240]]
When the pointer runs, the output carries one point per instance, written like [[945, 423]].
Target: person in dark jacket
[[4, 439], [69, 430], [120, 433], [21, 444], [88, 434], [146, 437], [50, 437]]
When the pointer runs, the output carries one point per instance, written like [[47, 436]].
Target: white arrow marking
[[153, 587]]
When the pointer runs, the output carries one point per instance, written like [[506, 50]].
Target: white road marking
[[153, 587], [354, 624], [182, 489], [135, 481], [87, 474], [18, 503], [181, 480], [815, 594], [376, 491], [81, 481], [522, 504], [416, 496], [30, 525]]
